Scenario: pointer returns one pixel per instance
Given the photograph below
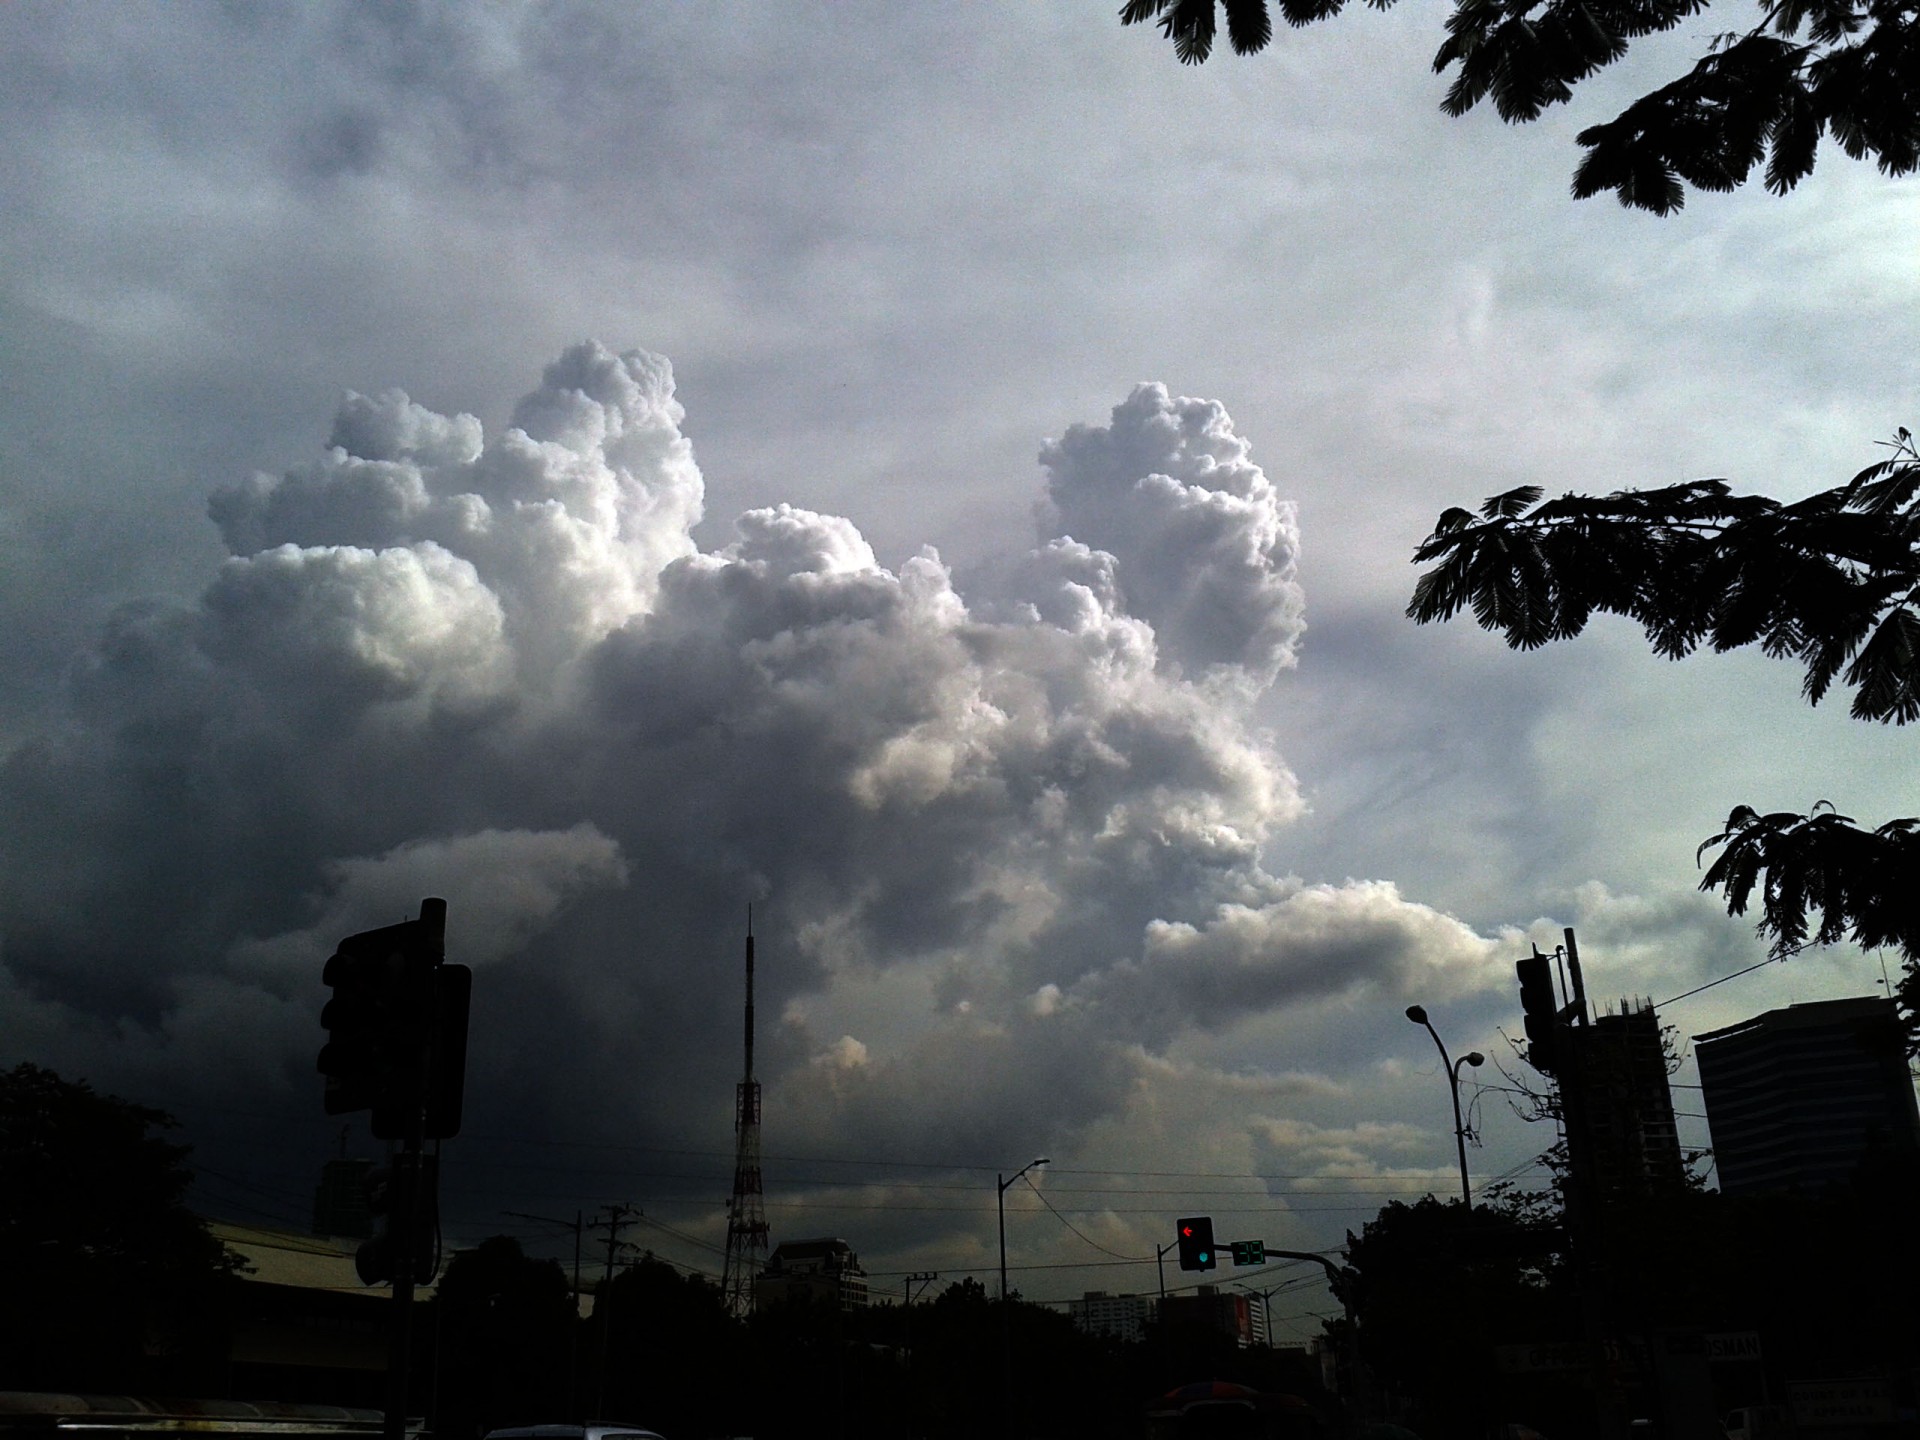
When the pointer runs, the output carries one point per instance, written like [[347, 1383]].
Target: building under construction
[[1634, 1146]]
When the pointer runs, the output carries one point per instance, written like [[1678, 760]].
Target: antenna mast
[[746, 1210]]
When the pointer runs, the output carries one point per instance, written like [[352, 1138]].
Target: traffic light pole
[[406, 1182], [397, 1046], [404, 1230]]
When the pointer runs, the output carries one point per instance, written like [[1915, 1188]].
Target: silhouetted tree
[[505, 1340], [1436, 1288], [1831, 582], [1848, 69], [671, 1353], [111, 1282]]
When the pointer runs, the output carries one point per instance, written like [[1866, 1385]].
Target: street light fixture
[[1005, 1181], [1418, 1015], [1006, 1311]]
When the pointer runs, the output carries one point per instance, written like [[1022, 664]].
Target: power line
[[1770, 960], [1076, 1230]]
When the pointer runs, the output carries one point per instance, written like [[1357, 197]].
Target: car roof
[[570, 1432]]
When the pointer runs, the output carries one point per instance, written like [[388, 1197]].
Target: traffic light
[[1248, 1252], [1196, 1242], [397, 1028], [1541, 1006], [400, 1209], [365, 1019]]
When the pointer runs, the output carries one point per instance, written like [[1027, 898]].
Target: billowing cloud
[[1007, 838], [1167, 477]]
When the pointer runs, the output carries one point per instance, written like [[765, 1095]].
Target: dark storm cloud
[[499, 670]]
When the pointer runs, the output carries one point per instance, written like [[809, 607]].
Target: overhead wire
[[1076, 1230]]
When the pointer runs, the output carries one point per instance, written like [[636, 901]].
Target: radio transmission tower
[[746, 1210]]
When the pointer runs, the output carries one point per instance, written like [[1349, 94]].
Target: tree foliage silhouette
[[112, 1282], [1831, 582], [1847, 69]]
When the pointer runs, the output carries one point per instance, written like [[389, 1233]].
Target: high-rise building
[[1124, 1317], [1214, 1308], [1634, 1146], [1807, 1095]]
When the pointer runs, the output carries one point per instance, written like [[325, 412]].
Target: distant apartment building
[[824, 1271], [1124, 1317], [1634, 1144], [1214, 1308], [1803, 1097], [1259, 1323]]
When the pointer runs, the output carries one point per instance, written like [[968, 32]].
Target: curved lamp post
[[1006, 1314], [1418, 1015], [1005, 1181]]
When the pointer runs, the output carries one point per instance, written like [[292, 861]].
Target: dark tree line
[[111, 1282], [663, 1352], [1446, 1297]]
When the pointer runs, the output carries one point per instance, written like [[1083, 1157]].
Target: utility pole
[[615, 1222], [922, 1278]]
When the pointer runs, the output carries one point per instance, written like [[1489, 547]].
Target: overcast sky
[[943, 475]]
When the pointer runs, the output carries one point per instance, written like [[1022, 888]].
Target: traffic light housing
[[1195, 1234], [367, 1020], [1541, 1007], [397, 1028], [396, 1213]]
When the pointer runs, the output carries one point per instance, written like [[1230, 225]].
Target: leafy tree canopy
[[1831, 583], [1847, 69], [103, 1260], [506, 1332]]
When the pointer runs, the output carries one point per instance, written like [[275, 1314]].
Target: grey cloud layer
[[1025, 824]]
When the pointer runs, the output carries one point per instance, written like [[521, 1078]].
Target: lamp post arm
[[1459, 1125], [1460, 1130]]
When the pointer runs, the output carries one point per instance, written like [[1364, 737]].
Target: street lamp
[[1418, 1015], [1005, 1181], [1006, 1311]]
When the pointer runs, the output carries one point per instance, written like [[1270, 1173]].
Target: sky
[[943, 476]]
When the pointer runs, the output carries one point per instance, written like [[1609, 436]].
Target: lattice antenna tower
[[746, 1209]]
